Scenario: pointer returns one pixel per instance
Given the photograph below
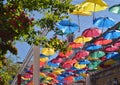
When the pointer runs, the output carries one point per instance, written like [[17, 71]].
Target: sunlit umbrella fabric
[[85, 61], [82, 39], [91, 32], [79, 66], [111, 48], [78, 78], [68, 79], [47, 51], [102, 41], [53, 64], [65, 55], [93, 5], [94, 64], [66, 26], [58, 71], [44, 59], [104, 22], [112, 55], [57, 60], [115, 9], [114, 34], [93, 47]]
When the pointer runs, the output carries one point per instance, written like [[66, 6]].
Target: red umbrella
[[75, 45], [81, 54], [103, 58], [52, 75], [69, 79], [57, 60], [69, 63], [65, 55], [102, 41], [92, 32], [117, 43], [111, 48]]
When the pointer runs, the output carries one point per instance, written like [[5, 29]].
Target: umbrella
[[75, 45], [93, 47], [102, 41], [57, 60], [91, 32], [81, 54], [68, 79], [52, 75], [47, 51], [112, 55], [109, 62], [66, 26], [84, 61], [79, 66], [58, 71], [114, 34], [111, 48], [44, 59], [53, 64], [93, 65], [117, 43], [80, 11], [97, 54], [65, 55], [104, 22], [115, 9], [78, 78], [82, 39], [27, 76]]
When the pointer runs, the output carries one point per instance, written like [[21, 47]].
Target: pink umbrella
[[92, 32], [75, 45], [111, 48], [81, 54], [57, 60], [65, 55], [117, 43], [102, 41]]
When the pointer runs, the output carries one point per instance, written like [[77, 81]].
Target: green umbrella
[[94, 64], [97, 54], [115, 9]]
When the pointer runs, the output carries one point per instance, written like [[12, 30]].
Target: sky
[[85, 22]]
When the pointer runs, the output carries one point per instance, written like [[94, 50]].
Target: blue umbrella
[[43, 56], [66, 26], [81, 71], [78, 78], [84, 62], [53, 64], [112, 35], [93, 47], [104, 22], [112, 55]]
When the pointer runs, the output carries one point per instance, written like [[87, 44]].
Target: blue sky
[[85, 22]]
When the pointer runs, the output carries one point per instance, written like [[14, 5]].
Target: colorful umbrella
[[68, 79], [44, 59], [79, 66], [102, 41], [47, 51], [112, 55], [65, 55], [115, 9], [57, 60], [53, 64], [111, 48], [66, 26], [91, 32], [93, 47], [104, 22], [75, 45], [82, 39], [114, 34], [58, 71], [84, 61], [81, 54], [97, 54], [78, 78], [117, 43], [93, 65], [109, 62]]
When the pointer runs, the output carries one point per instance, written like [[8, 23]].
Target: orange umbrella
[[75, 45], [65, 55], [102, 41], [68, 79]]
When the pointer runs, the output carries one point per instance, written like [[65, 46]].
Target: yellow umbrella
[[48, 51], [93, 5], [90, 58], [80, 11], [79, 66], [44, 59], [42, 74], [84, 74], [58, 71], [48, 78], [82, 39], [110, 62]]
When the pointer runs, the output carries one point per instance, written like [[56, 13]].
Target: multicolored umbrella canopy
[[111, 48], [75, 45], [91, 32], [115, 9], [66, 26], [102, 41], [114, 34], [97, 54], [48, 51], [93, 47], [82, 39], [104, 22]]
